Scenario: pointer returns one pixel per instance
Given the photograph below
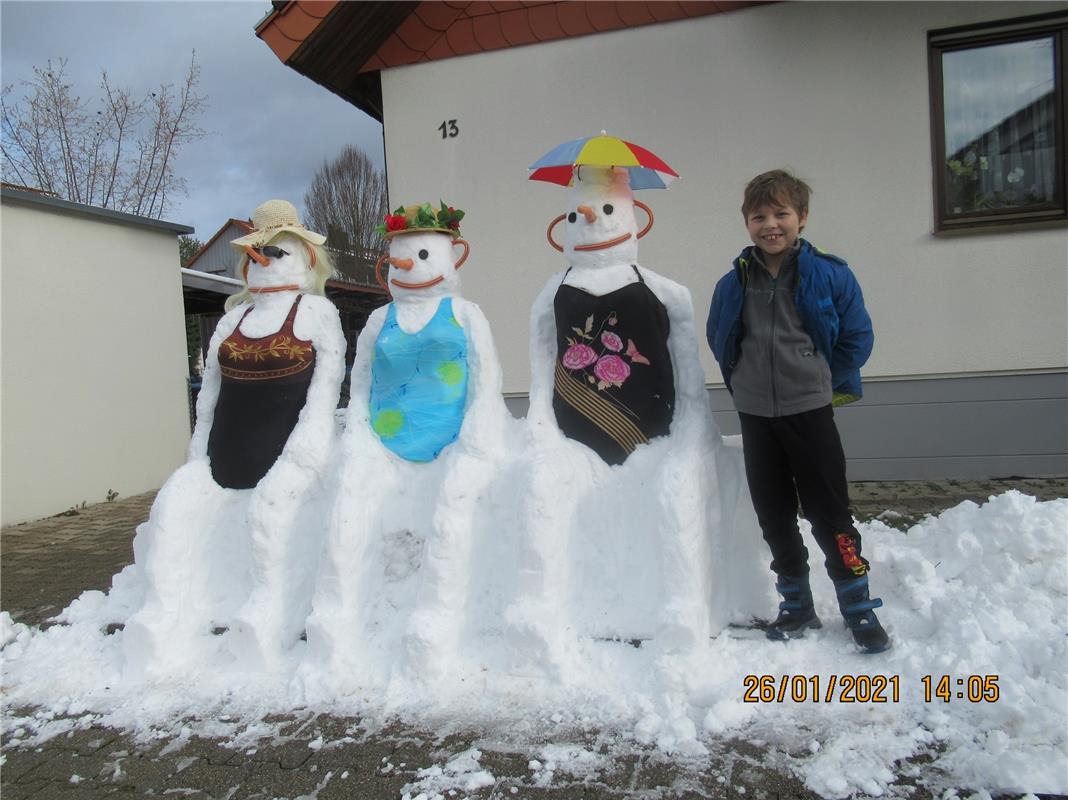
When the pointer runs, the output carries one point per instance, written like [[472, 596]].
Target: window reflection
[[1000, 130]]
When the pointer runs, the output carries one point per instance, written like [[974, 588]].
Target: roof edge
[[55, 203], [196, 279]]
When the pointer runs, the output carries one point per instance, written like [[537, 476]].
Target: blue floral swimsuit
[[419, 384]]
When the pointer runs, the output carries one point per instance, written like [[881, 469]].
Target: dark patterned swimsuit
[[614, 386], [264, 386]]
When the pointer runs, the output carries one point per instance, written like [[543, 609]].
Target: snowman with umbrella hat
[[623, 515]]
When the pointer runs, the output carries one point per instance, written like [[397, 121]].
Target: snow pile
[[461, 772], [977, 591]]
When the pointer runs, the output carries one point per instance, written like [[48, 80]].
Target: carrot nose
[[588, 213], [259, 258], [402, 263]]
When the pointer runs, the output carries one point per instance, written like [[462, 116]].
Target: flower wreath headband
[[420, 219]]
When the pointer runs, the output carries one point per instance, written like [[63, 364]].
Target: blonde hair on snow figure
[[322, 266]]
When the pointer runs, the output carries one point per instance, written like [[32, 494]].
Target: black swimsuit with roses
[[614, 386]]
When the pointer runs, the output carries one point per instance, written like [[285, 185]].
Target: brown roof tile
[[697, 8], [439, 16], [479, 8], [301, 19], [488, 32], [441, 49], [603, 16], [395, 52], [317, 8], [374, 64], [573, 20], [666, 11], [515, 27], [543, 23], [633, 13], [416, 35], [461, 37]]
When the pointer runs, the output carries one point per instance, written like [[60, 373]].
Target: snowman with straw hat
[[227, 548]]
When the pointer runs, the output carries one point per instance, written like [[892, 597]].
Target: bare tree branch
[[50, 139]]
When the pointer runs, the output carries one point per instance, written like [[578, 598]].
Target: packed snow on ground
[[976, 591]]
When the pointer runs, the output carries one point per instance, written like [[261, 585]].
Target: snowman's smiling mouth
[[602, 245], [423, 285]]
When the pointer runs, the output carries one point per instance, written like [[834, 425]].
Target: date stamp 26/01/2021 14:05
[[865, 688]]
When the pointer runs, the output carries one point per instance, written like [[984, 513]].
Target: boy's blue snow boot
[[796, 612], [856, 608]]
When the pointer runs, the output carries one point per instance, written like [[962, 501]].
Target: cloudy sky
[[270, 128]]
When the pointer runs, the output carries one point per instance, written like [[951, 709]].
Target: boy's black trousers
[[801, 456]]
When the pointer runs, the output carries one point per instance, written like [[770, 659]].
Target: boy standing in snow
[[790, 332]]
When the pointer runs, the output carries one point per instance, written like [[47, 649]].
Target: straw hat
[[272, 218]]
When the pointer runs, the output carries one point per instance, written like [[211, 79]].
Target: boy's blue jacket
[[831, 307]]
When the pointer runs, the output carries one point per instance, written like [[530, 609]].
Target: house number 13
[[448, 129]]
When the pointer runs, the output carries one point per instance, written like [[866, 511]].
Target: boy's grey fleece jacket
[[831, 307]]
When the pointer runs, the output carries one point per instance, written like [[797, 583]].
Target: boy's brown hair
[[777, 187]]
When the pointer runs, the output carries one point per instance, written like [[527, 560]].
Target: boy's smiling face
[[774, 228]]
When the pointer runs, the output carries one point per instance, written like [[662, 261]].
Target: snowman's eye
[[608, 209], [572, 217], [423, 254]]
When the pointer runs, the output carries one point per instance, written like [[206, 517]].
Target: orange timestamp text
[[865, 688], [819, 689]]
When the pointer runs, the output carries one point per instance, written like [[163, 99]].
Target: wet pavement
[[45, 564]]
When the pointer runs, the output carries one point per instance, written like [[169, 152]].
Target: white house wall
[[94, 363], [837, 92]]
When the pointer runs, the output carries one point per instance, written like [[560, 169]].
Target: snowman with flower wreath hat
[[425, 433], [622, 517]]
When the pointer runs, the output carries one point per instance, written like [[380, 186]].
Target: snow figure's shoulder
[[464, 310], [548, 291], [375, 320], [318, 305], [378, 316], [475, 325], [236, 313], [665, 288], [317, 317], [230, 320]]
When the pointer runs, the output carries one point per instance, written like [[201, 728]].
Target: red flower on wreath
[[396, 222]]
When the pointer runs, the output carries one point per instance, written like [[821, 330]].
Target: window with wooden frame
[[998, 99]]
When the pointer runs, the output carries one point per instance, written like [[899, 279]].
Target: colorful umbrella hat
[[646, 170]]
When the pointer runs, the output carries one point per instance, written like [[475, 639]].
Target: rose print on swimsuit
[[578, 356], [612, 364], [611, 370], [611, 341]]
